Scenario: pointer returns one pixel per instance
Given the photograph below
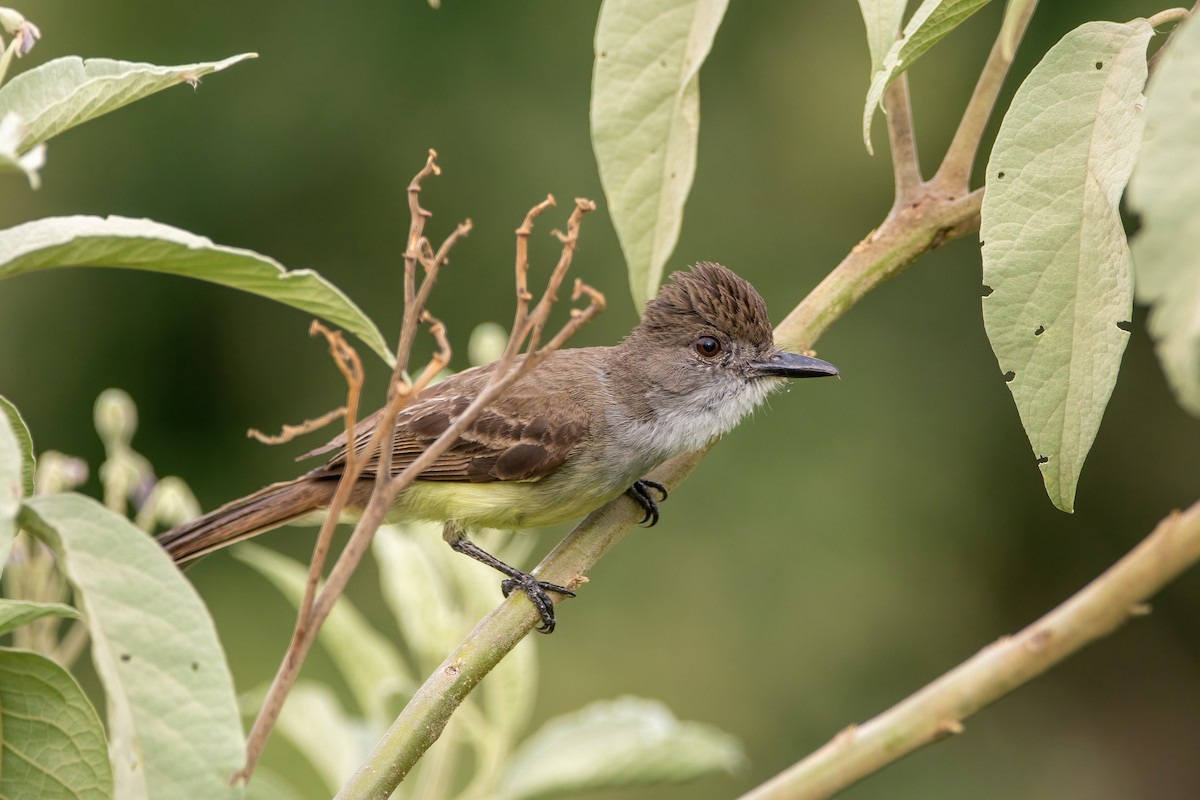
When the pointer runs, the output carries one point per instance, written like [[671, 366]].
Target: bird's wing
[[525, 434]]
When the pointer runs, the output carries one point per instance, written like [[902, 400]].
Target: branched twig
[[317, 605], [938, 710]]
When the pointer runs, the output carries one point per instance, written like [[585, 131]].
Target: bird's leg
[[534, 589], [640, 492]]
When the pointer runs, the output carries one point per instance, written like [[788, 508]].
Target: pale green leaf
[[419, 589], [1165, 190], [269, 785], [16, 472], [24, 443], [65, 92], [51, 740], [174, 729], [84, 241], [882, 18], [616, 743], [932, 20], [645, 119], [369, 663], [334, 745], [1054, 251], [15, 613], [12, 131]]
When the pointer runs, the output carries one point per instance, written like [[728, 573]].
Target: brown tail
[[267, 508]]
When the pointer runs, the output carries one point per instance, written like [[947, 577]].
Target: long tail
[[267, 508]]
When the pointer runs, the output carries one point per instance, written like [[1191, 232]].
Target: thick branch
[[938, 709]]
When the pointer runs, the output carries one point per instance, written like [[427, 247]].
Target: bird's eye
[[707, 346]]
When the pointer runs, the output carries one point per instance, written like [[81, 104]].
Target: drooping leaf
[[84, 241], [1165, 190], [882, 18], [371, 665], [65, 92], [616, 743], [174, 729], [15, 613], [1054, 252], [51, 740], [932, 20], [16, 472], [645, 122]]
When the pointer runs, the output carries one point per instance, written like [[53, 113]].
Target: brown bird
[[581, 429]]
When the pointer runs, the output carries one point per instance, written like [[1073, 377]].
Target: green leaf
[[882, 18], [12, 131], [51, 740], [332, 743], [616, 743], [24, 443], [645, 122], [65, 92], [1165, 190], [932, 20], [1054, 251], [16, 472], [15, 613], [84, 241], [369, 663], [172, 716]]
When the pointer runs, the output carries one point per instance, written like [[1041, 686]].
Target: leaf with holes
[[932, 20], [1054, 249], [1165, 190], [51, 740], [84, 241], [174, 729], [645, 122]]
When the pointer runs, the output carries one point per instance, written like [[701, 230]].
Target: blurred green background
[[837, 552]]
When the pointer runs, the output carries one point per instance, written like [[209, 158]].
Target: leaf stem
[[937, 710], [906, 166], [955, 171]]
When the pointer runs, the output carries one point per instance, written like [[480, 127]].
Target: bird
[[578, 431]]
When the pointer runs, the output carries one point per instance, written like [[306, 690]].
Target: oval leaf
[[65, 92], [610, 744], [84, 241], [932, 20], [16, 472], [1054, 250], [1165, 190], [645, 122], [15, 613], [52, 743], [172, 718]]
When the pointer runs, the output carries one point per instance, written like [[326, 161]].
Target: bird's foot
[[640, 492], [536, 591]]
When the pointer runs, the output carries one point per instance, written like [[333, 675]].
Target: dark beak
[[793, 365]]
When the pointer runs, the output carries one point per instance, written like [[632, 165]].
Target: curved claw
[[640, 492], [536, 590]]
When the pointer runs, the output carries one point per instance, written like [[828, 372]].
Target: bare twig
[[289, 432], [940, 707]]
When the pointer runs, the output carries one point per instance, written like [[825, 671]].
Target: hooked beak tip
[[794, 365]]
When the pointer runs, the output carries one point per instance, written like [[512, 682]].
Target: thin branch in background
[[289, 432], [938, 709], [401, 390]]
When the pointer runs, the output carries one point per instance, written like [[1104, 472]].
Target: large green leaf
[[84, 241], [15, 613], [646, 120], [616, 743], [65, 92], [1165, 190], [882, 18], [51, 740], [932, 20], [173, 722], [1054, 251], [16, 472]]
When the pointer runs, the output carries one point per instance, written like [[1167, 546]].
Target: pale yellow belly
[[500, 504]]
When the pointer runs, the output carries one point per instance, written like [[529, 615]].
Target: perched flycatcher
[[581, 429]]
